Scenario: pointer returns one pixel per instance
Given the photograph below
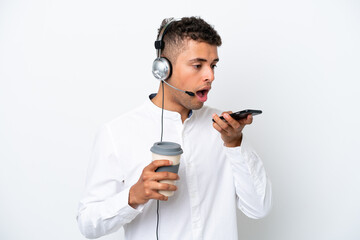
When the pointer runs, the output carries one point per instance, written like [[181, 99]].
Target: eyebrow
[[202, 60]]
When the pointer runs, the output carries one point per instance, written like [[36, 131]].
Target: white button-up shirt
[[214, 179]]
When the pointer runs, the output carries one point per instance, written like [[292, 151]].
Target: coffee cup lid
[[166, 148]]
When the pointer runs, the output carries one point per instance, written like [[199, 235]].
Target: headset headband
[[159, 43]]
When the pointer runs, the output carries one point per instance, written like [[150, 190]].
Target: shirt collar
[[152, 95]]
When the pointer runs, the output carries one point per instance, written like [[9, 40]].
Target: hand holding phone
[[242, 114]]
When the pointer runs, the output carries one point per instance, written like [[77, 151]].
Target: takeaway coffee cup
[[169, 151]]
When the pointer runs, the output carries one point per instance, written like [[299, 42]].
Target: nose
[[209, 75]]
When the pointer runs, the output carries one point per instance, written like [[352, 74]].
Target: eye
[[213, 66], [197, 66]]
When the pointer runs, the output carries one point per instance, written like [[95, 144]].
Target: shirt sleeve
[[104, 207], [252, 186]]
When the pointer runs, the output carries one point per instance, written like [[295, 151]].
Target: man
[[218, 171]]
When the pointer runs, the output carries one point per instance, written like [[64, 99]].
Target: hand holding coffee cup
[[148, 185], [169, 151]]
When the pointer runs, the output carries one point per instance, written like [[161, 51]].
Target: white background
[[66, 67]]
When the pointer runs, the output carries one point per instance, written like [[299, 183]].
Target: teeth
[[201, 93]]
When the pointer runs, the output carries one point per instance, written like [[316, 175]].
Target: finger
[[247, 120], [222, 124], [232, 122], [152, 188], [163, 186], [158, 176], [157, 196], [222, 115], [218, 128], [157, 163], [229, 112]]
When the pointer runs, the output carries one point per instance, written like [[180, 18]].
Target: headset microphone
[[162, 67], [187, 92]]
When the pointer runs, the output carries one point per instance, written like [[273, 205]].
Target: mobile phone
[[242, 114]]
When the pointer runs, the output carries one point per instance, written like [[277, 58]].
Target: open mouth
[[202, 95]]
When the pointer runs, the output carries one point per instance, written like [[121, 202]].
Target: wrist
[[132, 201], [234, 143]]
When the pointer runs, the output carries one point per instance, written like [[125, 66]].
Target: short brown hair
[[194, 28]]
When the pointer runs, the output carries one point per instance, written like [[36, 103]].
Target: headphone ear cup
[[161, 68]]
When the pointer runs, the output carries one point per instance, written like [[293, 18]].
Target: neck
[[169, 103]]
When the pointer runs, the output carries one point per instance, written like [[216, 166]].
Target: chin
[[197, 106]]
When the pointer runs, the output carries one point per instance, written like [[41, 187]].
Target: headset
[[162, 67], [162, 70]]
